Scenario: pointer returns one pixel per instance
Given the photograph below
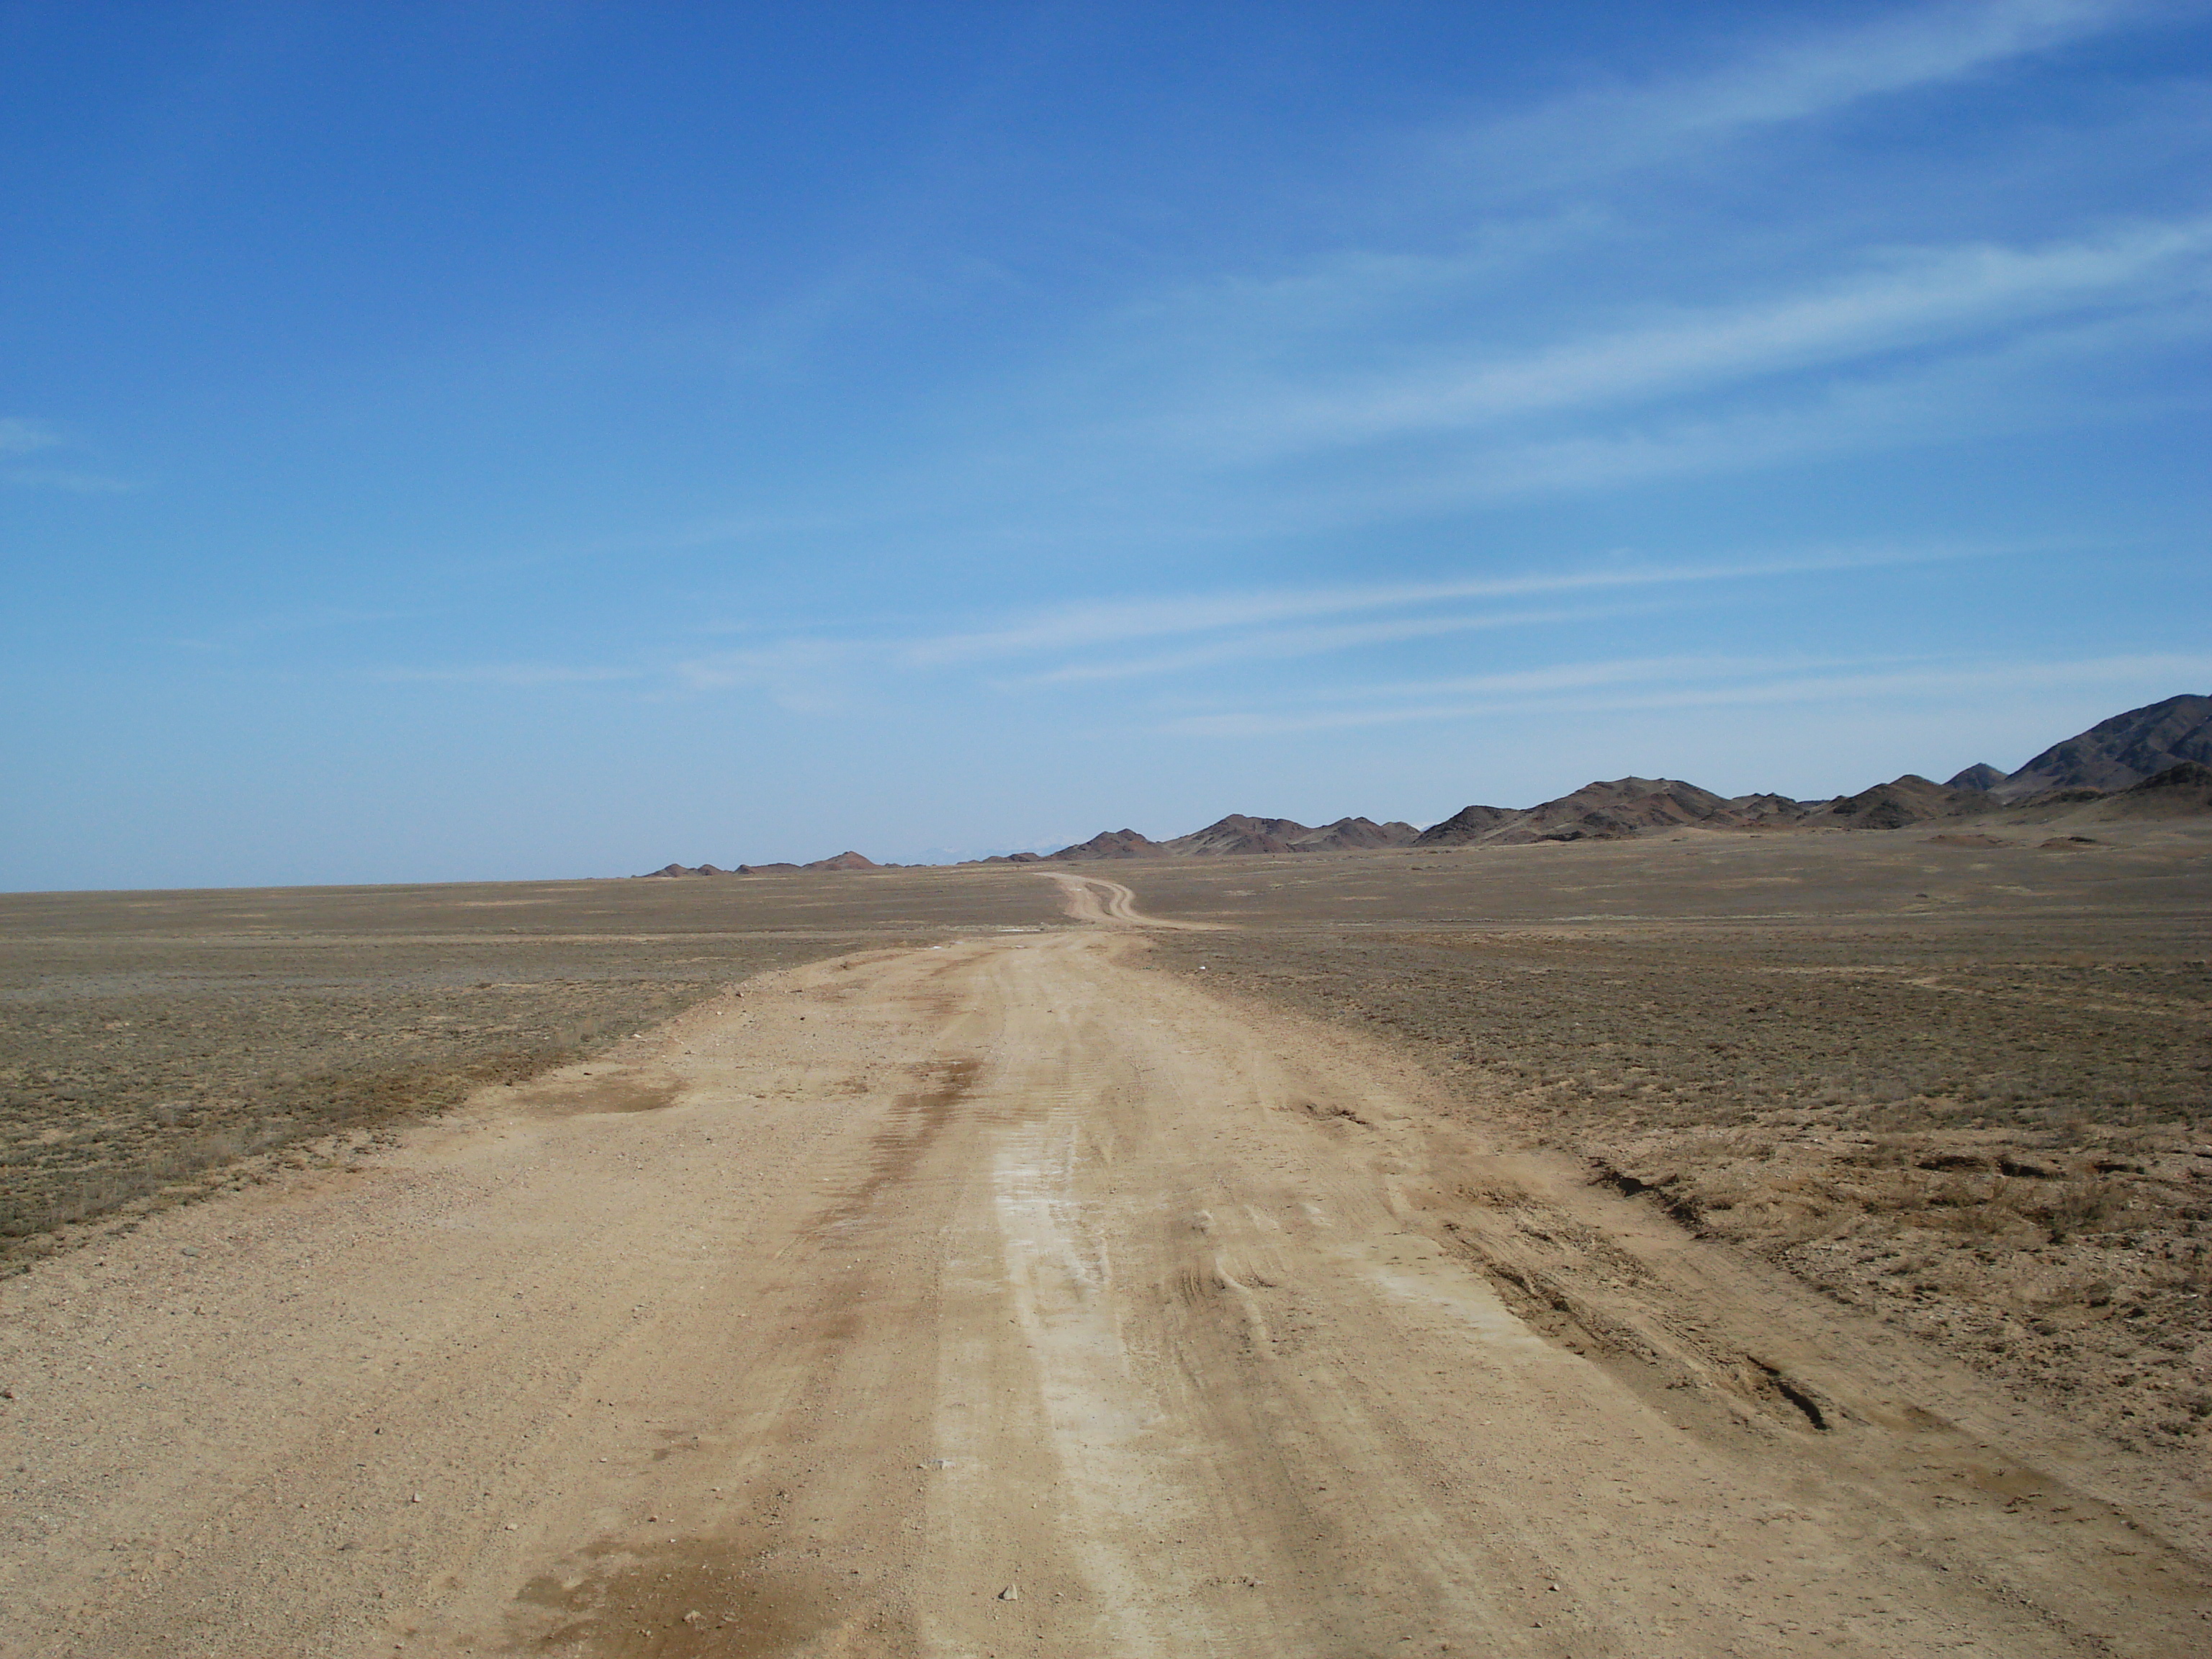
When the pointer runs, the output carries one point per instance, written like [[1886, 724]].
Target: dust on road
[[1110, 903], [1008, 1297]]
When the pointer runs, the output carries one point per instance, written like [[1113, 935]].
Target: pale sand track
[[1108, 904], [827, 1314]]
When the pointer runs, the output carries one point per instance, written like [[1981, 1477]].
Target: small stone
[[1011, 1593], [416, 1498], [189, 1250]]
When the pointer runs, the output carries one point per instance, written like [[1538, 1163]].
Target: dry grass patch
[[2006, 1150]]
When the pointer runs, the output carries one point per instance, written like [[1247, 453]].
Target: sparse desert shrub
[[109, 1098], [1797, 1080], [2078, 1207]]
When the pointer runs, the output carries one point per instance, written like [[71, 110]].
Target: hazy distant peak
[[845, 860], [1110, 844]]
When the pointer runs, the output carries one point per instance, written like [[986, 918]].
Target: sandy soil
[[1108, 904], [1012, 1297], [1961, 1088], [156, 1046]]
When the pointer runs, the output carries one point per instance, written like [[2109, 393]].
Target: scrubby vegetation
[[2007, 1149], [120, 1092]]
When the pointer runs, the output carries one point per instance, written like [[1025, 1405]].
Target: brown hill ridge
[[2152, 762], [2121, 752], [2178, 791], [1910, 799], [2155, 761], [1614, 810], [1112, 844], [1980, 775], [847, 861], [1238, 834]]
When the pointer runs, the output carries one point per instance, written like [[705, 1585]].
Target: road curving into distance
[[1108, 904], [1010, 1297]]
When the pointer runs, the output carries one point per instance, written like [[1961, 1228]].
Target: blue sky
[[489, 442]]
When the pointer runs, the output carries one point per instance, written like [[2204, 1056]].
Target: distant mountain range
[[2153, 762], [1238, 834], [2162, 754], [842, 861]]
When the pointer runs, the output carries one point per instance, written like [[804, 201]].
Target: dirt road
[[1110, 904], [1010, 1298]]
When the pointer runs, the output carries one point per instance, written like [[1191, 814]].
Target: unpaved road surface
[[1010, 1298], [1110, 904]]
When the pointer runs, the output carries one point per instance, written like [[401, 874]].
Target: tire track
[[1005, 1297]]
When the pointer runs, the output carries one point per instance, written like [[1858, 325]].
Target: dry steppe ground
[[1967, 1086], [150, 1041], [1717, 1244]]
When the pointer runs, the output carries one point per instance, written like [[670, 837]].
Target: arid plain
[[1707, 1244]]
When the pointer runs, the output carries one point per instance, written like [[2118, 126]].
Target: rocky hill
[[1469, 824], [847, 861], [2182, 790], [1980, 775], [1348, 835], [1111, 844], [2153, 762], [2120, 752], [2115, 763], [1616, 811], [1238, 834], [1613, 811], [1909, 800]]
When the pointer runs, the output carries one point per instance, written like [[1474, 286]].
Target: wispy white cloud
[[1623, 127], [1450, 351], [21, 437], [1076, 626], [1912, 298], [1292, 642], [1453, 351], [810, 675], [1573, 676], [2056, 379], [823, 673], [520, 674], [828, 672], [1681, 683]]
